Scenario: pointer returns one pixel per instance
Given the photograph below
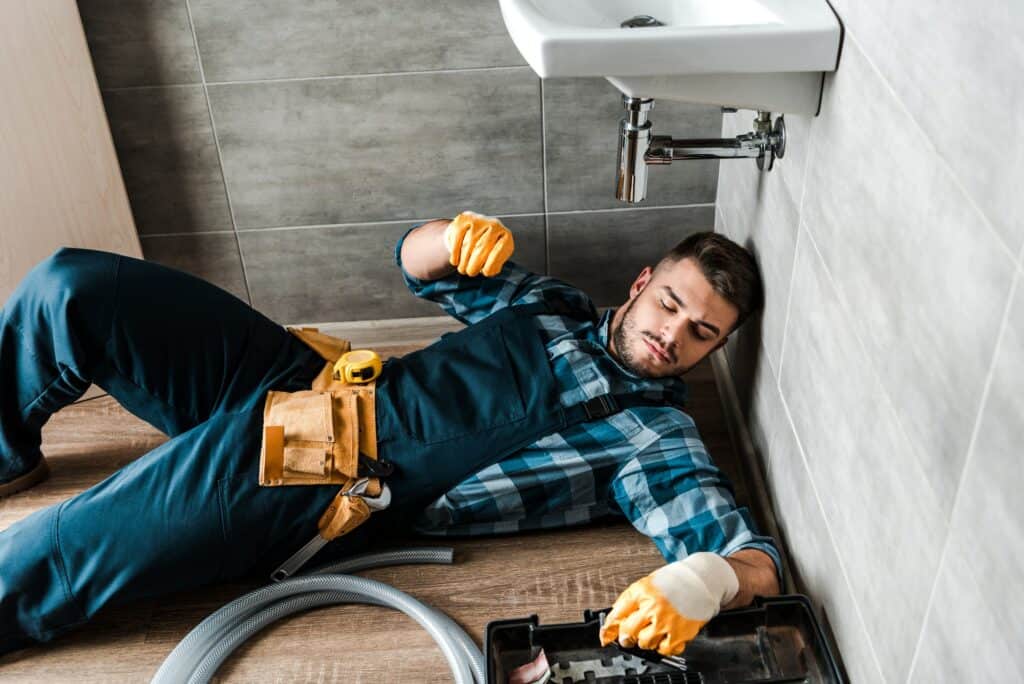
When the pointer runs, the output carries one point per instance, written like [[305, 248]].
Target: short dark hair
[[728, 266]]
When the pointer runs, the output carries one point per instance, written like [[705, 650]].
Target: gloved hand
[[478, 244], [666, 609]]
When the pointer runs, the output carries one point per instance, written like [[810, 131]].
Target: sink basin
[[757, 54]]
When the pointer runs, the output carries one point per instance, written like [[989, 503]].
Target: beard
[[622, 335]]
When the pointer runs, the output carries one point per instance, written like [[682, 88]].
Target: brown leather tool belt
[[320, 436]]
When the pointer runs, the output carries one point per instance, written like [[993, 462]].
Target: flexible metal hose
[[206, 647]]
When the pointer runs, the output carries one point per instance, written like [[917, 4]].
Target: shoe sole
[[23, 482]]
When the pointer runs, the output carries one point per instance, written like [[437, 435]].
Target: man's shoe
[[30, 479]]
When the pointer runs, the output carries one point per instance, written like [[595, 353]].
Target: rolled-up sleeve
[[672, 492], [470, 299]]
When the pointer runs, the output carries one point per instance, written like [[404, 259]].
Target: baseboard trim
[[744, 446]]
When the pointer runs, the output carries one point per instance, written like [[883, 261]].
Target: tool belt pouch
[[344, 514], [310, 437]]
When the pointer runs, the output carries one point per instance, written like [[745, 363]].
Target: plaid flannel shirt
[[646, 463]]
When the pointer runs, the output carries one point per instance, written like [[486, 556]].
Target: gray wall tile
[[380, 148], [603, 252], [961, 80], [140, 43], [168, 158], [805, 538], [581, 118], [745, 353], [788, 172], [888, 522], [212, 256], [974, 631], [884, 377], [266, 39], [760, 215], [765, 413], [913, 261], [816, 565], [311, 275]]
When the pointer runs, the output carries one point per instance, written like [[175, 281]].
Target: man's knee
[[73, 269], [69, 275]]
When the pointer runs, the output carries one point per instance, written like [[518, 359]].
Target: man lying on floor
[[538, 413]]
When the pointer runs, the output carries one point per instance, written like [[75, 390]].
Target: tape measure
[[357, 366]]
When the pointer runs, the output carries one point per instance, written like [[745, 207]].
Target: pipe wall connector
[[638, 147]]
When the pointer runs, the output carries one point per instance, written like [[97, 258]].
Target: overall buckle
[[600, 406]]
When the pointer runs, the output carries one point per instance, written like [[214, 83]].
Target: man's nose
[[673, 331]]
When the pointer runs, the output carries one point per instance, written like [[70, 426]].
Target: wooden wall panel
[[60, 183]]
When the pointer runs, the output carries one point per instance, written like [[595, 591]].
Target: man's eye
[[665, 307]]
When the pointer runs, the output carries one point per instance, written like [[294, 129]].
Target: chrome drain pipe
[[638, 148]]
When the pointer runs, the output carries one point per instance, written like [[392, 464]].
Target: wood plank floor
[[555, 574]]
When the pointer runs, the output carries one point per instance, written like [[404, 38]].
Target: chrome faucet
[[638, 148]]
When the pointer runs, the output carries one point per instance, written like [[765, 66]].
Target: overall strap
[[557, 307], [600, 406], [605, 405]]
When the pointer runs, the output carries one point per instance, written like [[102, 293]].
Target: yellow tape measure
[[357, 366]]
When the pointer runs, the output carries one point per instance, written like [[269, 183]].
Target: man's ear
[[641, 282]]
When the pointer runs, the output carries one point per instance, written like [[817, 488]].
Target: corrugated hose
[[196, 658]]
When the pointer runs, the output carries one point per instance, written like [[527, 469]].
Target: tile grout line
[[958, 496], [887, 400], [357, 224], [155, 86], [147, 236], [828, 529], [796, 247], [623, 209], [948, 167], [789, 300], [290, 79], [777, 386], [544, 178], [1019, 263], [886, 396], [761, 348], [846, 312], [842, 299], [220, 156]]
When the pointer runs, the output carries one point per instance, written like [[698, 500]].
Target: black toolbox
[[777, 639]]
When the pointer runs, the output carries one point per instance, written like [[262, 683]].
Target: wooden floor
[[555, 574]]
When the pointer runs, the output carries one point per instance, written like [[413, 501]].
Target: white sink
[[756, 54]]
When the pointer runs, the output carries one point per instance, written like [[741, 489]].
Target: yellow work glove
[[666, 609], [478, 244]]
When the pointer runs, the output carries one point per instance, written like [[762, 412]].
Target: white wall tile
[[888, 523], [974, 630], [811, 551], [956, 67], [760, 215], [922, 278]]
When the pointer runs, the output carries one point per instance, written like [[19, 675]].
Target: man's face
[[676, 310]]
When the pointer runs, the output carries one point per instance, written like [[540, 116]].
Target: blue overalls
[[196, 363]]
